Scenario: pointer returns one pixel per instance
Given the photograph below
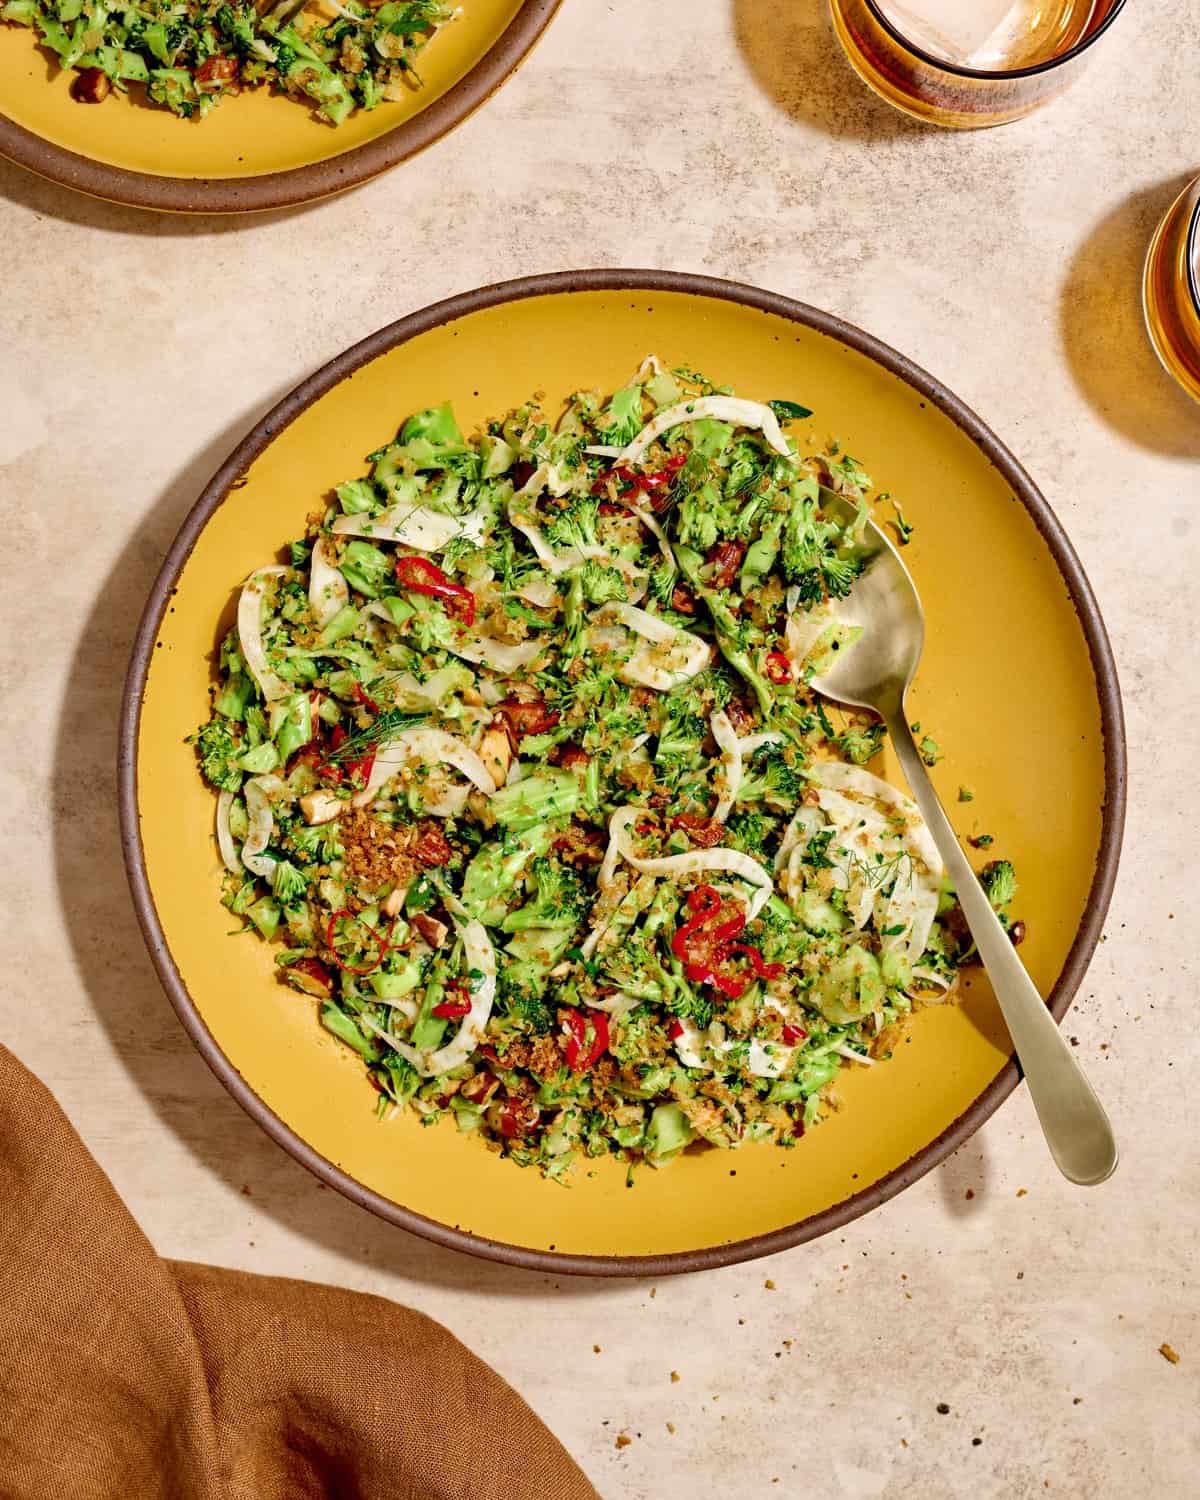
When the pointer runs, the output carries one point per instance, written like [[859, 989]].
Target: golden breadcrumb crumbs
[[1169, 1354]]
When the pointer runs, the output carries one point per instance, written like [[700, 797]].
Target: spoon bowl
[[884, 602]]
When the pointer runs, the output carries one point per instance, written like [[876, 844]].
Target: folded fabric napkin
[[127, 1377]]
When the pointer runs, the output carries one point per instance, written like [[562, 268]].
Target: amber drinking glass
[[970, 63], [1171, 290]]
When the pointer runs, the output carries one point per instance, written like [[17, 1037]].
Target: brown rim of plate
[[316, 386], [997, 75], [273, 190]]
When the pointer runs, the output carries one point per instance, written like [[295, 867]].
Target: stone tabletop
[[992, 1332]]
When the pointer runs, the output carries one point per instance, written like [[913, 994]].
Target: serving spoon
[[876, 674]]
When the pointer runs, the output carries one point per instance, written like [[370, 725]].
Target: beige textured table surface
[[726, 137]]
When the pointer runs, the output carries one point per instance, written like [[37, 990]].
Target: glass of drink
[[1171, 290], [968, 63]]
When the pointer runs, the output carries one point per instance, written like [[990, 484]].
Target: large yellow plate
[[1017, 684], [257, 151]]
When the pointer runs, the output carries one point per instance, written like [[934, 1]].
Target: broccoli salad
[[519, 767], [335, 55]]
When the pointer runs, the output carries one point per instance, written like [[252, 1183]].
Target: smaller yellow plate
[[1017, 683], [259, 150]]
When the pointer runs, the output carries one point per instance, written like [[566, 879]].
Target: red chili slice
[[381, 942], [582, 1055], [761, 968], [359, 771], [424, 577], [456, 1004], [778, 667], [794, 1034], [702, 945], [675, 1030]]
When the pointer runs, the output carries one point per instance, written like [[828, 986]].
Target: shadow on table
[[1104, 334], [50, 200], [963, 1179], [790, 47], [115, 968]]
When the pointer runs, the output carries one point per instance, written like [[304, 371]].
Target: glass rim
[[999, 75], [1191, 253]]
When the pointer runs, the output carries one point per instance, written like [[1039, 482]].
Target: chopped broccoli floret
[[931, 751], [861, 744], [287, 881], [1000, 882], [602, 584], [749, 831], [810, 551], [559, 899], [575, 524], [772, 777], [218, 755]]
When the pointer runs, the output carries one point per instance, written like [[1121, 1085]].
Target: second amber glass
[[930, 88], [1172, 290]]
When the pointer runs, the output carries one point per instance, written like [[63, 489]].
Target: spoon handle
[[1073, 1120]]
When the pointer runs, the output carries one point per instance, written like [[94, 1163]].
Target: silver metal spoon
[[875, 673]]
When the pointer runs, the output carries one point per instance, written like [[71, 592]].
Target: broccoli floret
[[663, 578], [602, 584], [810, 550], [749, 831], [816, 851], [772, 778], [287, 881], [860, 745], [559, 899], [705, 515], [782, 939], [318, 842], [575, 524], [681, 737], [1000, 882], [218, 753], [532, 1013]]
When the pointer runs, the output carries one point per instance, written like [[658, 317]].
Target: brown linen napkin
[[127, 1377]]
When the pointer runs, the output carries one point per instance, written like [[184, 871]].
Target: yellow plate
[[1018, 686], [258, 151]]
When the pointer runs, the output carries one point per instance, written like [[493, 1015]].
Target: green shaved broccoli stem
[[335, 1019], [725, 627], [536, 799]]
